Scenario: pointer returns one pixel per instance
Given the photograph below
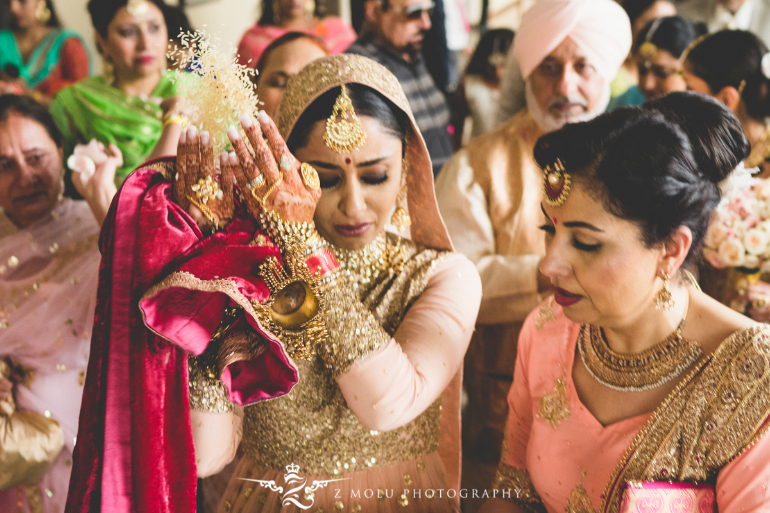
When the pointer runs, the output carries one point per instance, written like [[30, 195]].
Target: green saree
[[94, 109]]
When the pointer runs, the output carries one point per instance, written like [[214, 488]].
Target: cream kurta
[[489, 195]]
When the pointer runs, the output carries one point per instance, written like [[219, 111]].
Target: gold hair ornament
[[556, 184], [344, 135], [647, 51]]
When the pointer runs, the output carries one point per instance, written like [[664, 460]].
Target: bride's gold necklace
[[367, 265], [637, 372]]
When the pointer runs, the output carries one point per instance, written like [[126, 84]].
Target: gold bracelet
[[175, 119]]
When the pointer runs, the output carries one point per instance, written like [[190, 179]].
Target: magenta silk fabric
[[134, 451], [660, 497]]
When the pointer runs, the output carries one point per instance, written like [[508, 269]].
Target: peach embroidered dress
[[382, 427], [709, 430]]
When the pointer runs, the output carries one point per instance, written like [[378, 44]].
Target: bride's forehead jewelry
[[344, 133], [138, 8], [556, 184]]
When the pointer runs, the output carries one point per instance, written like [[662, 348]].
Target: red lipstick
[[564, 298]]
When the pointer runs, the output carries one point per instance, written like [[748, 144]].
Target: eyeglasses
[[414, 12]]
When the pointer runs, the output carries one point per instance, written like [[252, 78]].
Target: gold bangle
[[175, 119], [264, 197]]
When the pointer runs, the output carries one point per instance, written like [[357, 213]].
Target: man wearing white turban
[[489, 192]]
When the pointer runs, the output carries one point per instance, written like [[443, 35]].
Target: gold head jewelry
[[647, 51], [138, 8], [344, 135], [309, 176], [690, 48], [556, 184]]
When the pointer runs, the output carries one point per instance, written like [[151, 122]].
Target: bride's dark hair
[[657, 165]]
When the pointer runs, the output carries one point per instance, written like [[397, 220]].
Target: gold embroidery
[[579, 501], [327, 438], [711, 417], [514, 485], [554, 405], [545, 315]]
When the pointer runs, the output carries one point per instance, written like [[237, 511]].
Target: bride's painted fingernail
[[233, 158], [183, 137], [232, 134], [205, 139], [192, 132], [246, 121], [263, 117]]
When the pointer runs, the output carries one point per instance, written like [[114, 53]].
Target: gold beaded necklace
[[637, 372], [365, 266]]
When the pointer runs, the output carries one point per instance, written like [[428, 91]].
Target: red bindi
[[555, 221], [347, 160]]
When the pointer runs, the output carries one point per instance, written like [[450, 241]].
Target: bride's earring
[[664, 299], [400, 218]]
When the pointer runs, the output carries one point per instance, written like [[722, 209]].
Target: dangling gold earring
[[42, 12], [309, 9], [108, 70], [400, 218], [664, 299]]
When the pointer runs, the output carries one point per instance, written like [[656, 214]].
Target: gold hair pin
[[344, 135], [556, 184], [647, 51]]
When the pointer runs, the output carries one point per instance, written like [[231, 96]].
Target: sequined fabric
[[514, 485], [711, 418], [325, 437]]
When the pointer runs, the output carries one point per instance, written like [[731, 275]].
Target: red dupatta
[[134, 450]]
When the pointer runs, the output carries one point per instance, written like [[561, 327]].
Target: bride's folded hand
[[196, 189], [272, 179]]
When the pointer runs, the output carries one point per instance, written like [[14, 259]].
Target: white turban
[[600, 28]]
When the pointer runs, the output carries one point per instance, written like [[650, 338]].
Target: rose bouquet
[[738, 236]]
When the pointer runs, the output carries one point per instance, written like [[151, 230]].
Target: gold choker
[[367, 265], [636, 372]]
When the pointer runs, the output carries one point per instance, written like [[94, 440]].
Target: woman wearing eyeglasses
[[657, 53], [282, 16]]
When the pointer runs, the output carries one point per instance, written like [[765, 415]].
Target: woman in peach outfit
[[633, 390]]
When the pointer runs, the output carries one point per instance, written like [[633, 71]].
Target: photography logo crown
[[294, 485]]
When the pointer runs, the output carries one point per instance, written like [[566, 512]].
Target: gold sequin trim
[[554, 405], [207, 392], [716, 413], [514, 485], [545, 315]]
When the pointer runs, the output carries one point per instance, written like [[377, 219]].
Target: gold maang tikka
[[344, 135], [556, 184]]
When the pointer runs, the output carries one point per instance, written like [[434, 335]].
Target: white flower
[[85, 158], [717, 232], [732, 252], [739, 180], [762, 188], [756, 240], [751, 262]]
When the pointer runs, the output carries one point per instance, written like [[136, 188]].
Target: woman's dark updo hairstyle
[[672, 33], [26, 107], [366, 102], [727, 58], [103, 11], [657, 166]]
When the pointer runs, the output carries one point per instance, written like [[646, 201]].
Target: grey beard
[[549, 123]]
